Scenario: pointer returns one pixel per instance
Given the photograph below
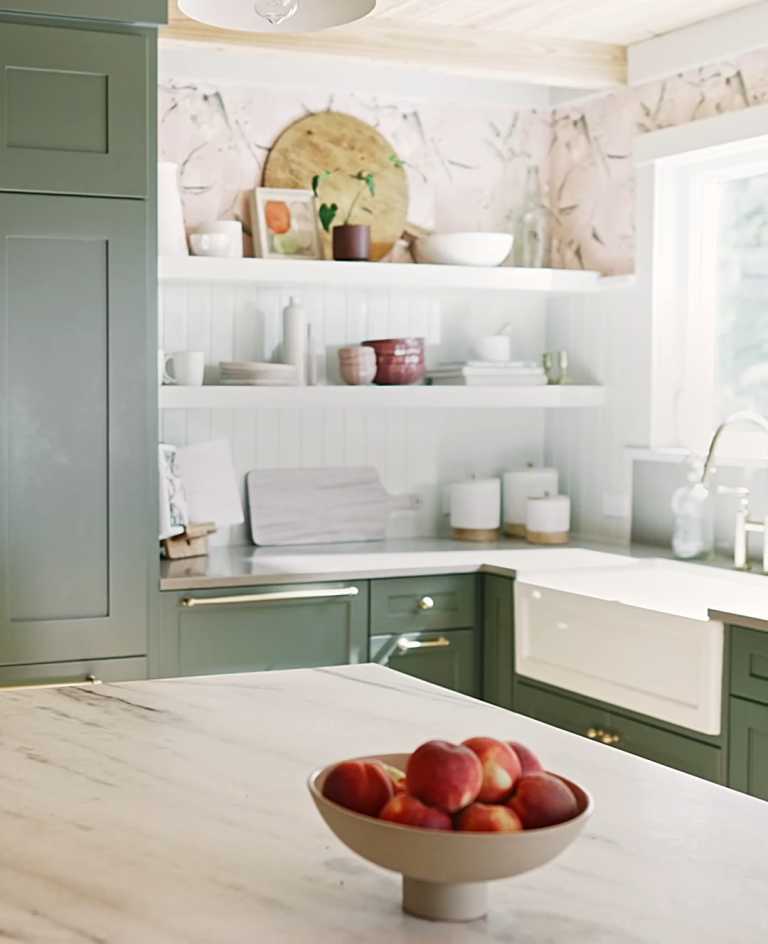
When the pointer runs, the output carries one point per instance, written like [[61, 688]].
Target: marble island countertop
[[635, 576], [176, 812]]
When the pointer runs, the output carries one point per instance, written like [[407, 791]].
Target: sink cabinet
[[748, 742]]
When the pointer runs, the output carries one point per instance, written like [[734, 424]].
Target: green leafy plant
[[329, 211]]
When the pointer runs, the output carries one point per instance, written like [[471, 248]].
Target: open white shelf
[[254, 398], [376, 274]]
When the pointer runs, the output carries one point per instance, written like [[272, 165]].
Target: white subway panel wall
[[415, 451]]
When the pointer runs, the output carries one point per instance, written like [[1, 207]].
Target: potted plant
[[351, 241]]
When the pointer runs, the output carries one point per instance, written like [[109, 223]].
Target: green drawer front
[[749, 664], [402, 605], [446, 659], [627, 734], [124, 11], [49, 673], [258, 636], [748, 761], [558, 710]]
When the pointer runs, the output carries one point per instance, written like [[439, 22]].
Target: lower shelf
[[254, 398]]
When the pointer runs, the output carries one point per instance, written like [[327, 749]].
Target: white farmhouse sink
[[636, 636]]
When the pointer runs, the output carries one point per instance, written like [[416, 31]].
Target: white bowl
[[444, 873], [210, 244], [469, 249]]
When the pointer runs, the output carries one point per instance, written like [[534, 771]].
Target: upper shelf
[[376, 274]]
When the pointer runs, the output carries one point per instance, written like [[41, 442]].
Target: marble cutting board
[[319, 506]]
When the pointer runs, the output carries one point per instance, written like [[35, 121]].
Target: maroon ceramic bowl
[[399, 361]]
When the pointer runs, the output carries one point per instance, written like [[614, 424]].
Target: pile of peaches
[[482, 785]]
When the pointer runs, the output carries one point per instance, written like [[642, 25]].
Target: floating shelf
[[376, 274], [254, 398]]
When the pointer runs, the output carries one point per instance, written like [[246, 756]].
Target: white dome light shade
[[276, 16]]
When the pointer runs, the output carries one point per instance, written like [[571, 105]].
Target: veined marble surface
[[176, 812]]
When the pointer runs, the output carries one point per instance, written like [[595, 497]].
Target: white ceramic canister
[[548, 520], [171, 235], [295, 339], [476, 510], [519, 486]]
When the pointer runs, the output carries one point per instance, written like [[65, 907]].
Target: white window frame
[[678, 175]]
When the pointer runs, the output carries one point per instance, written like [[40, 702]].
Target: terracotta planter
[[351, 243]]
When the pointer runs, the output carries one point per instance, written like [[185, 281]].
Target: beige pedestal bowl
[[445, 874]]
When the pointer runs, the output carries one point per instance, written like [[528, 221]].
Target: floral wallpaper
[[590, 172]]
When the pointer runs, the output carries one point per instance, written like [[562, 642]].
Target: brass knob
[[426, 603], [611, 739], [593, 734]]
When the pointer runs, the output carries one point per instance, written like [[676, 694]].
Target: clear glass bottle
[[534, 235], [693, 532]]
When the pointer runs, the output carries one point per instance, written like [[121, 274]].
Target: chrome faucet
[[744, 524]]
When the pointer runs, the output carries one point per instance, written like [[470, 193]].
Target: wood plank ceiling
[[571, 43]]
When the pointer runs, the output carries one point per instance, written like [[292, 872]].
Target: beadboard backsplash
[[416, 451]]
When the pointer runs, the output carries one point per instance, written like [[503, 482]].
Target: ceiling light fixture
[[276, 16]]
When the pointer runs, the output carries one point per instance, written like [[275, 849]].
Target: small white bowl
[[210, 244], [468, 249], [445, 873]]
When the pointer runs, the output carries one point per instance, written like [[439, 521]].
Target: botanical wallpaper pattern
[[467, 167]]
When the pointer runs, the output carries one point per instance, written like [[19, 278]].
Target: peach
[[448, 776], [362, 786], [501, 768], [408, 811], [529, 762], [398, 777], [540, 799], [488, 818]]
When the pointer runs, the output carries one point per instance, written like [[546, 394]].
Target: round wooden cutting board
[[345, 145]]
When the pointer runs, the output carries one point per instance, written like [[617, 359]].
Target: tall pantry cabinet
[[78, 289]]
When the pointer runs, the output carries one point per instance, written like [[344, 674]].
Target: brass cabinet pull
[[426, 603], [88, 680], [277, 597], [406, 645], [604, 737]]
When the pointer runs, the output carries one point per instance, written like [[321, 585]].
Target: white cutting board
[[319, 506], [210, 484]]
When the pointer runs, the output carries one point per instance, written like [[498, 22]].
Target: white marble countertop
[[634, 576], [176, 812]]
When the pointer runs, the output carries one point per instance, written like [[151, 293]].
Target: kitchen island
[[176, 811]]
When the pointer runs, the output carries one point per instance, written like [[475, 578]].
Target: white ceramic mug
[[187, 368], [496, 348], [231, 228], [210, 244]]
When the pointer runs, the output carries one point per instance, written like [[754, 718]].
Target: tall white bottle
[[295, 339]]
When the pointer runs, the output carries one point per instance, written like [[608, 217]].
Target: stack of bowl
[[398, 360], [357, 365]]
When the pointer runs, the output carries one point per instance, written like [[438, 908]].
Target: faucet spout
[[744, 416]]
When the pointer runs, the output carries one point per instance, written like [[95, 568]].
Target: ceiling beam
[[490, 54]]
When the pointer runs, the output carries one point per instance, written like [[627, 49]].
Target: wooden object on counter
[[193, 543], [345, 145], [544, 537], [476, 534]]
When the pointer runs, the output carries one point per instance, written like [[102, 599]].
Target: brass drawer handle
[[604, 737], [277, 597], [406, 645], [426, 603], [88, 680]]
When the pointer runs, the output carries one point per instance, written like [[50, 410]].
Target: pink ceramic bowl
[[399, 360]]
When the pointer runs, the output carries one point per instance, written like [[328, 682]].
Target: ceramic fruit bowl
[[445, 873], [469, 249]]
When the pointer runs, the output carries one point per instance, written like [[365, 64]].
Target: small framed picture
[[285, 224]]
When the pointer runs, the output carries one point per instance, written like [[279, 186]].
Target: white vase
[[172, 237]]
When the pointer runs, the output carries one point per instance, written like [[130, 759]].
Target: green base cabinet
[[70, 673], [447, 659], [748, 765], [499, 640], [120, 11], [259, 629], [621, 731]]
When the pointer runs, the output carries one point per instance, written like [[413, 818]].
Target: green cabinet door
[[417, 604], [499, 640], [254, 630], [123, 11], [77, 513], [448, 659], [748, 763], [75, 109]]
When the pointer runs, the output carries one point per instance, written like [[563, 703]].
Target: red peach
[[540, 799], [529, 762], [488, 818], [501, 768], [448, 776], [408, 811], [362, 786]]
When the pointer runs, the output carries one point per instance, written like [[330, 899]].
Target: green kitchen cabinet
[[623, 730], [71, 673], [749, 664], [120, 11], [262, 628], [76, 507], [423, 604], [76, 106], [748, 763], [499, 640], [449, 659]]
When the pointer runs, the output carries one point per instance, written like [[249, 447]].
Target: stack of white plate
[[257, 374]]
